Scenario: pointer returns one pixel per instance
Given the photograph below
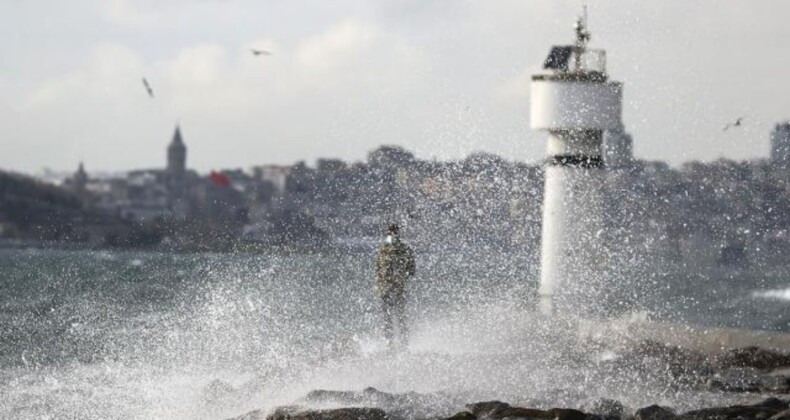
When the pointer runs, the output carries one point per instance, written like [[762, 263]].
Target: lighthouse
[[575, 103]]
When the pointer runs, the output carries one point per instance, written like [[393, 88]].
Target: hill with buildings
[[32, 212], [722, 213]]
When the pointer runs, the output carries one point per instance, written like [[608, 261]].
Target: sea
[[150, 335]]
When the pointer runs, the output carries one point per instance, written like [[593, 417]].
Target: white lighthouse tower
[[574, 101]]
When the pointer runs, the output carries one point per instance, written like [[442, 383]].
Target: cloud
[[340, 44], [309, 91], [128, 12], [111, 72], [346, 76]]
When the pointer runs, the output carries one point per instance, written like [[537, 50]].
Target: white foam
[[777, 294]]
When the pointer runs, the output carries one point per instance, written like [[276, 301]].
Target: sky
[[443, 78]]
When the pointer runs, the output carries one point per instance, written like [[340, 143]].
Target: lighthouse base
[[573, 254]]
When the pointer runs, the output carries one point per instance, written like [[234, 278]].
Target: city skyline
[[440, 79]]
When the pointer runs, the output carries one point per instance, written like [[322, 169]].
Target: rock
[[567, 414], [727, 413], [403, 405], [349, 413], [605, 407], [735, 380], [782, 415], [779, 384], [773, 403], [498, 410], [682, 366], [749, 380], [463, 415], [760, 411], [654, 412], [755, 357], [327, 396], [485, 408], [252, 415]]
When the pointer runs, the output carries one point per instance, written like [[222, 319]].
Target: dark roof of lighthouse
[[558, 58]]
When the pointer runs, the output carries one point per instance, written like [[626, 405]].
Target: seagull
[[148, 88], [260, 52], [737, 123]]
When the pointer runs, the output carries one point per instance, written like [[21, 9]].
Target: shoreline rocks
[[769, 409], [747, 371]]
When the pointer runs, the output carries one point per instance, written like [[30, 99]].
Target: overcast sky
[[442, 78]]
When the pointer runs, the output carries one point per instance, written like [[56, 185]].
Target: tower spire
[[176, 154]]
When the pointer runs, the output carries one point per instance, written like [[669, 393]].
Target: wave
[[778, 294]]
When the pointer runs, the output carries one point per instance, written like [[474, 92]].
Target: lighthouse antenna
[[582, 34]]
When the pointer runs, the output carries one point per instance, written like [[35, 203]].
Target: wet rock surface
[[654, 412], [748, 372], [762, 410], [347, 413], [754, 357], [744, 370], [605, 407], [769, 409], [397, 405]]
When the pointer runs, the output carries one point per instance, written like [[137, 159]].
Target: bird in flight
[[257, 52], [737, 123], [148, 88]]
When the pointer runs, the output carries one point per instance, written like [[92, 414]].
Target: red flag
[[219, 178]]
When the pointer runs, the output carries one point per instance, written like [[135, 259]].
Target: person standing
[[394, 266]]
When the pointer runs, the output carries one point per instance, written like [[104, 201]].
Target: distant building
[[176, 175], [79, 181], [390, 157], [330, 165], [277, 175], [177, 155], [780, 144]]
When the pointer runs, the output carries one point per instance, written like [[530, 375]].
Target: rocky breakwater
[[754, 383], [768, 409]]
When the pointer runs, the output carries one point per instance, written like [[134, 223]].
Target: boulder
[[682, 366], [735, 380], [760, 411], [654, 412], [605, 407], [727, 413], [499, 410], [402, 405], [567, 414], [749, 380], [755, 357], [348, 413], [778, 384], [782, 415], [773, 403], [463, 415], [329, 396], [485, 408], [252, 415]]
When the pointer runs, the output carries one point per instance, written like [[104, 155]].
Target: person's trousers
[[393, 307]]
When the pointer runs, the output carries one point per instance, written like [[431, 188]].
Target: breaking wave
[[776, 294]]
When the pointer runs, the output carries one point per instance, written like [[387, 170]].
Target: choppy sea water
[[105, 335]]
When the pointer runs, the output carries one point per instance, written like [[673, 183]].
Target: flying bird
[[737, 123], [257, 52], [148, 88]]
